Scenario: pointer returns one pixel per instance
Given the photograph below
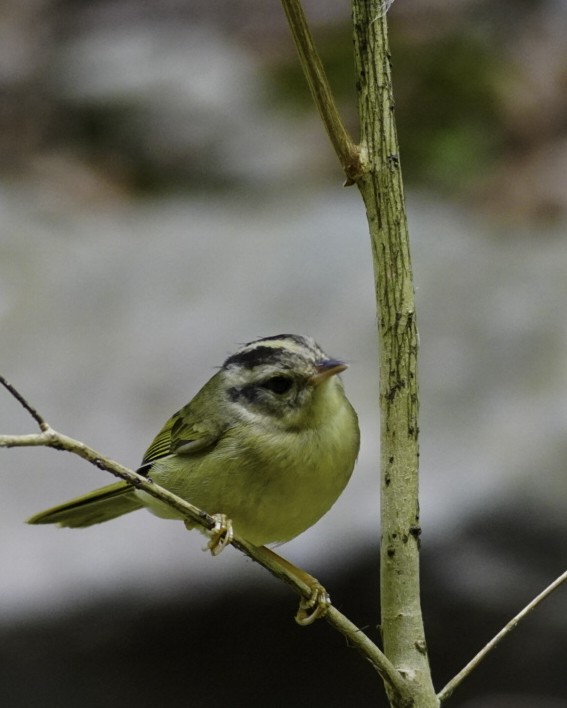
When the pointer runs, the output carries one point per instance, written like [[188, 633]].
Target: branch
[[300, 581], [32, 411], [347, 151], [381, 188], [447, 691]]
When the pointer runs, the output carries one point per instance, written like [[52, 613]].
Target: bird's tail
[[101, 505]]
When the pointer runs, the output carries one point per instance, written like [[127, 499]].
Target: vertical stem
[[382, 191]]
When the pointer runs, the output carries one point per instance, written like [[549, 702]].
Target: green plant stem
[[381, 188]]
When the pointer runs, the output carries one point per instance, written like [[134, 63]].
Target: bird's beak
[[326, 369]]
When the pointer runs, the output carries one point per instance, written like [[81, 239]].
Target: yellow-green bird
[[270, 441]]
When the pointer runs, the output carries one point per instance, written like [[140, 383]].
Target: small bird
[[269, 442]]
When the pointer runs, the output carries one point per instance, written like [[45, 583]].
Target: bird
[[268, 443]]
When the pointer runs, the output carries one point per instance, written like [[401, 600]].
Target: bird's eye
[[278, 384]]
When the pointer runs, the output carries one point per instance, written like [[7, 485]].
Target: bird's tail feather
[[101, 505]]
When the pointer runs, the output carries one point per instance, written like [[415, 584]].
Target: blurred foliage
[[447, 109], [145, 100], [446, 92], [104, 136]]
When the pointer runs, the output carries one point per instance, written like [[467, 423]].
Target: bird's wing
[[187, 432]]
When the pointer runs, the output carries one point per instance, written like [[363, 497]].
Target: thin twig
[[274, 564], [30, 409], [346, 149], [512, 624]]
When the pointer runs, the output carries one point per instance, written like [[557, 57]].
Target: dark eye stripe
[[249, 393]]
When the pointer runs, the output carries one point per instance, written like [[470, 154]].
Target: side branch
[[30, 409], [347, 151], [276, 565], [448, 690]]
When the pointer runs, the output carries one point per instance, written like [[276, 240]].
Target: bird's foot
[[314, 607], [221, 535]]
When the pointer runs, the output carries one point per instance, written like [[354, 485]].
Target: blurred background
[[167, 192]]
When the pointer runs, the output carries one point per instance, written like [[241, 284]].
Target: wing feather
[[190, 430]]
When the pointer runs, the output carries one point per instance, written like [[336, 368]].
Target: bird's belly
[[294, 496], [271, 493]]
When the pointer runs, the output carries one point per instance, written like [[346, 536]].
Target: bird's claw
[[221, 535], [314, 607]]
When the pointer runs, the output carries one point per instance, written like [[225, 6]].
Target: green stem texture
[[382, 191]]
